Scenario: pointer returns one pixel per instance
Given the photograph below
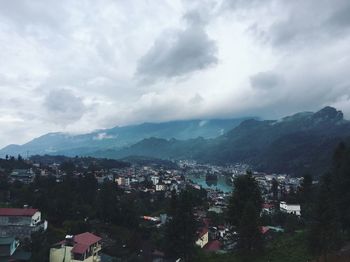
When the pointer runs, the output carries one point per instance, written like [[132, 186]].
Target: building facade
[[20, 222], [83, 247]]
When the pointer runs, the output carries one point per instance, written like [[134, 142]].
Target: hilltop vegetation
[[299, 144]]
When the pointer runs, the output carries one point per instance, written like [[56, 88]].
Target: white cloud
[[75, 66]]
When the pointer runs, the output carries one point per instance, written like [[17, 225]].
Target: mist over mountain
[[119, 137], [303, 142], [300, 143]]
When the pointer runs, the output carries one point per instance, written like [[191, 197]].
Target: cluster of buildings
[[16, 225]]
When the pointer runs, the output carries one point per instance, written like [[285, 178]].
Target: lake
[[221, 183]]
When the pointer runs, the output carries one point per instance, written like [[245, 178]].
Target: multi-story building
[[20, 222], [26, 176], [290, 208], [83, 247]]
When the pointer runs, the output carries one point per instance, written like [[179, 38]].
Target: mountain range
[[118, 137], [300, 143]]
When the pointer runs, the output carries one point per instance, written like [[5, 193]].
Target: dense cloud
[[179, 52], [63, 107], [75, 66], [265, 80]]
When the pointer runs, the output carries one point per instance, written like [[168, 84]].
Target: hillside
[[300, 143], [119, 137]]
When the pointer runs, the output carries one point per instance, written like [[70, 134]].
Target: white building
[[20, 222], [160, 187], [155, 180], [123, 181], [290, 208], [203, 238]]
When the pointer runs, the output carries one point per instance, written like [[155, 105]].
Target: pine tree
[[250, 238], [244, 213], [274, 189], [245, 190], [324, 234], [180, 232]]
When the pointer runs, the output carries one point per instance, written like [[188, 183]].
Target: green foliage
[[250, 238], [244, 213], [245, 190], [324, 230], [180, 232]]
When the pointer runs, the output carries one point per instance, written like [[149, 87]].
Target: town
[[145, 190]]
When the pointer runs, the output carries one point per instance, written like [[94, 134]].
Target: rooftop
[[86, 239], [18, 211]]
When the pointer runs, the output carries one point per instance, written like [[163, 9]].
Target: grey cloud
[[179, 52], [243, 4], [265, 80], [63, 107], [196, 99], [298, 22], [341, 17]]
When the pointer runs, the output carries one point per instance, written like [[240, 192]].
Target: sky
[[77, 66]]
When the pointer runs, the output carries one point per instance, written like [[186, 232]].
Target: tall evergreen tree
[[341, 185], [274, 189], [244, 213], [324, 234], [246, 190], [250, 238], [180, 232]]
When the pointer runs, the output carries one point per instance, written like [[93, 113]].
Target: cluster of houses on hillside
[[16, 225]]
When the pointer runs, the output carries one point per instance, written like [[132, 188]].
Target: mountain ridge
[[299, 143], [119, 137]]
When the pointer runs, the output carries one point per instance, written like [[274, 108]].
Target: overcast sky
[[75, 66]]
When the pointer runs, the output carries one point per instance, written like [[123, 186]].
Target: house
[[83, 247], [203, 237], [26, 176], [290, 208], [20, 222], [213, 246], [123, 181], [155, 180], [267, 208], [9, 250], [160, 187]]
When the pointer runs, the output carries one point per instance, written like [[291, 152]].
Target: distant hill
[[300, 143], [119, 137]]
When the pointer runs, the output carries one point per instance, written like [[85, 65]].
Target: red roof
[[202, 232], [28, 212], [263, 230], [267, 205], [79, 248], [86, 238], [213, 245]]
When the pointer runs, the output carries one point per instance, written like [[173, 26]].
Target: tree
[[305, 195], [107, 202], [244, 213], [341, 184], [324, 233], [180, 231], [274, 189], [246, 190], [250, 238]]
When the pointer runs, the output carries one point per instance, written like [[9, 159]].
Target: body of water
[[220, 184]]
